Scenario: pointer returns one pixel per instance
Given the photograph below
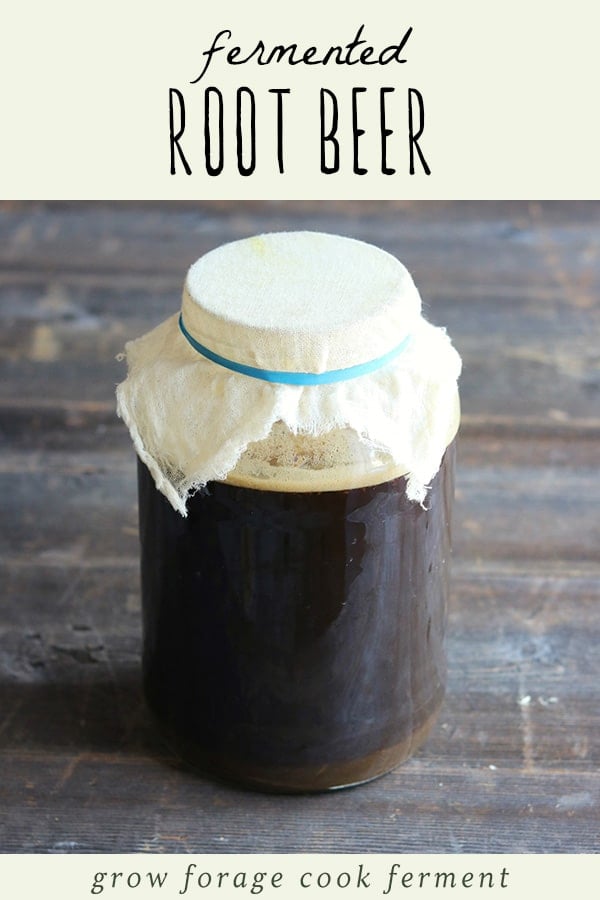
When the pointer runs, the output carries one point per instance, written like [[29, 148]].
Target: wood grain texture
[[517, 286], [513, 762]]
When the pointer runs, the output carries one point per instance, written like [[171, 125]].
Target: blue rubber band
[[298, 378]]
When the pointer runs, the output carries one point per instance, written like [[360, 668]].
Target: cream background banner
[[509, 90]]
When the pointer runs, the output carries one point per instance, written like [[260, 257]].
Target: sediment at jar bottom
[[294, 641], [297, 779]]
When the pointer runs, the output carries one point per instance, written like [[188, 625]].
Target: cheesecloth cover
[[338, 318]]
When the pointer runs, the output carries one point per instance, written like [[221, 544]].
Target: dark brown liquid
[[294, 641]]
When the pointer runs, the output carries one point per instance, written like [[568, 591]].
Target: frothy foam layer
[[335, 461]]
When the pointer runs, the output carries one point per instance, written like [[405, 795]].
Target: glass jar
[[295, 425], [294, 620]]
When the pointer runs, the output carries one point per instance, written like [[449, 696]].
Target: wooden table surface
[[512, 765]]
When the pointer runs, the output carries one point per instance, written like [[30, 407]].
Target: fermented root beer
[[294, 640], [295, 492]]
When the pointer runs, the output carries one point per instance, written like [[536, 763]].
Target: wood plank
[[493, 384], [522, 513], [420, 805], [80, 756], [165, 238], [46, 433], [74, 621], [512, 765], [516, 285], [468, 252]]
